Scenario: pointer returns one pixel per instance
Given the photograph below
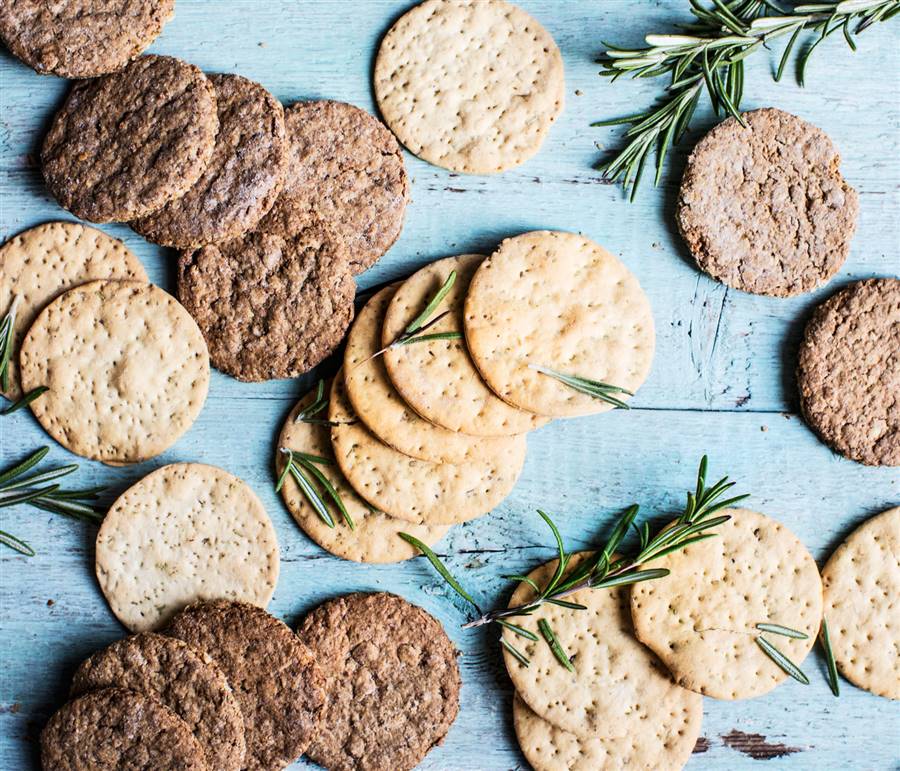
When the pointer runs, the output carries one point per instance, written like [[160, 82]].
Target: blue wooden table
[[722, 382]]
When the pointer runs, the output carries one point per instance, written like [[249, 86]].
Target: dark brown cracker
[[849, 372], [348, 168], [125, 144], [243, 177], [118, 730], [764, 208], [392, 680], [184, 680], [81, 38], [272, 303], [275, 677]]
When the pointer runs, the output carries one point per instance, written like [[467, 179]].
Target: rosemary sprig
[[594, 388], [7, 330], [781, 660], [304, 470], [319, 403], [603, 569], [784, 631], [710, 57], [829, 660], [16, 488]]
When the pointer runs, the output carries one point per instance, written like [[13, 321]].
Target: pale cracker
[[470, 85], [126, 365], [417, 490], [375, 537], [379, 405], [40, 264], [559, 301], [701, 620], [438, 379], [861, 582], [185, 533], [608, 660]]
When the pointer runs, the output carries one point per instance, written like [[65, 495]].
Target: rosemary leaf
[[630, 578], [562, 560], [30, 462], [315, 407], [285, 471], [782, 661], [620, 530], [311, 494], [431, 337], [440, 568], [566, 604], [7, 334], [595, 388], [25, 400], [525, 580], [332, 493], [785, 631], [555, 645], [829, 660], [17, 544], [416, 324], [522, 632], [516, 653]]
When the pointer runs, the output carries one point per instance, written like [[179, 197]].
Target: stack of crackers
[[370, 681], [420, 434]]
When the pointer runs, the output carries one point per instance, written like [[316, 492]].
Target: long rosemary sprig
[[304, 470], [709, 56], [7, 338], [603, 569]]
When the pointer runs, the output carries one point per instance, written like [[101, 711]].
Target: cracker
[[701, 620], [179, 677], [862, 605], [375, 537], [764, 208], [439, 380], [126, 365], [393, 682], [382, 409], [417, 490], [243, 178], [115, 729], [608, 659], [848, 372], [275, 677], [185, 532], [470, 85], [81, 38], [41, 263], [559, 301], [124, 145]]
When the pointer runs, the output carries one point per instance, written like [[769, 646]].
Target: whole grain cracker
[[470, 85], [701, 620], [439, 380], [279, 685], [124, 145], [375, 537], [559, 301], [848, 372], [379, 405], [39, 264], [183, 533], [393, 682], [417, 490], [81, 38], [114, 729], [126, 366], [861, 583], [763, 206], [243, 178], [648, 706], [185, 680]]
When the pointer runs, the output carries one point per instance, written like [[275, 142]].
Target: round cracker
[[375, 537], [861, 585], [701, 620], [382, 409], [183, 533], [764, 208], [115, 729], [81, 38], [559, 301], [439, 380], [41, 263], [607, 658], [849, 372], [275, 677], [243, 178], [348, 168], [393, 682], [124, 145], [272, 303], [418, 490], [126, 366], [186, 681], [470, 85]]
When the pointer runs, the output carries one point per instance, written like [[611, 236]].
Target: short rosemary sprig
[[829, 660], [709, 57], [7, 337], [16, 488], [594, 388], [304, 470], [603, 569]]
